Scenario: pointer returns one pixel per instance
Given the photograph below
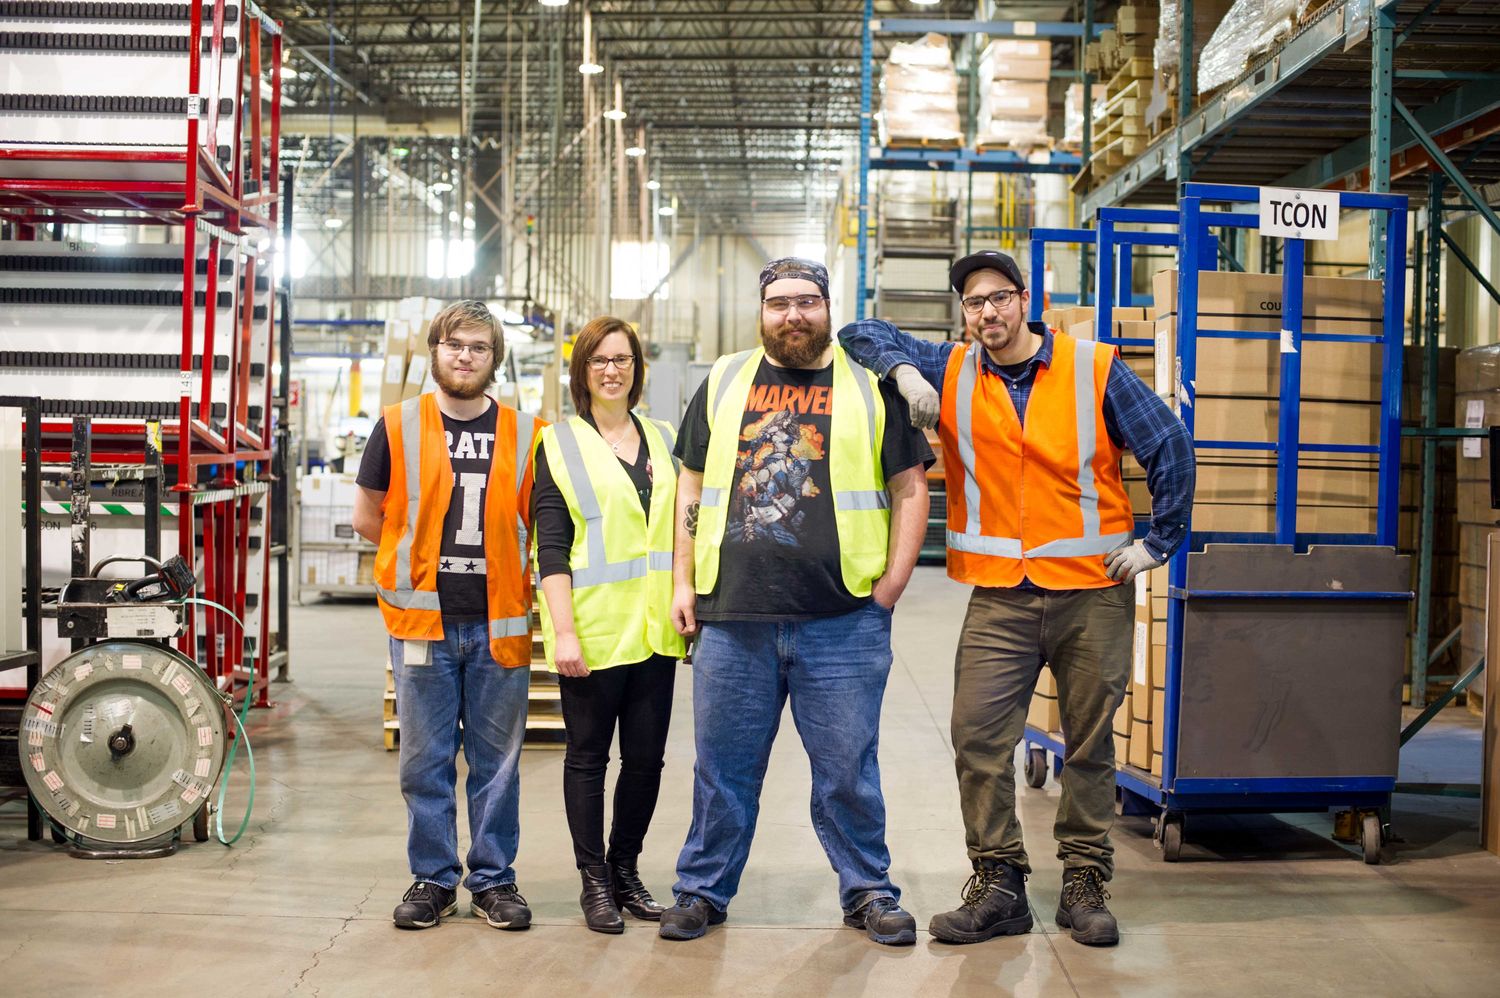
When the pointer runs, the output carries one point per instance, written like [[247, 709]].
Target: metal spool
[[122, 742]]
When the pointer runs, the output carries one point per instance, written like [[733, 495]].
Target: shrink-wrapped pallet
[[919, 91], [1248, 29]]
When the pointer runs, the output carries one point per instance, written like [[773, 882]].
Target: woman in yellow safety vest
[[602, 508]]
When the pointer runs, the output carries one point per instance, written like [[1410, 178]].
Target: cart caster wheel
[[58, 836], [1370, 838], [1036, 767], [1171, 838], [200, 825]]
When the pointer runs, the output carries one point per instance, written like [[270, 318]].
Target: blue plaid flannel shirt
[[1135, 418]]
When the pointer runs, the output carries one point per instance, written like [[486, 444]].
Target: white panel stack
[[919, 90], [1013, 99], [112, 78]]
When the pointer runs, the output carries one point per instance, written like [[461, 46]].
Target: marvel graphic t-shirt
[[471, 445], [780, 555]]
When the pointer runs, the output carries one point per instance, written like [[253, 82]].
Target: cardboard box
[[1122, 720], [1159, 711], [416, 377], [1015, 100], [1159, 667], [1140, 746], [1155, 763], [1252, 303], [1042, 713], [1229, 477], [397, 351], [1258, 419], [1478, 369], [1244, 518], [1046, 683], [1122, 749]]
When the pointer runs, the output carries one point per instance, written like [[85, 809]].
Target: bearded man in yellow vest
[[1033, 424], [802, 502], [445, 487]]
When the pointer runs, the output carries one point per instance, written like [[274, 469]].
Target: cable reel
[[121, 745]]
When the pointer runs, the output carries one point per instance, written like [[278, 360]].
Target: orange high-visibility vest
[[1044, 503], [406, 566]]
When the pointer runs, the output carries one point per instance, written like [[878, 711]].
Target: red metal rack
[[226, 207]]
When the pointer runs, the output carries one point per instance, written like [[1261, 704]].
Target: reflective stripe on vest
[[509, 627], [406, 596], [972, 540], [599, 570]]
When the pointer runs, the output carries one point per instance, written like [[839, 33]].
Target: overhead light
[[919, 3], [590, 69], [333, 223], [441, 187], [666, 210], [653, 185], [554, 3], [635, 152], [399, 152], [615, 114], [288, 73]]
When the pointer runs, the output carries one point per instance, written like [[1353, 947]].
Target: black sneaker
[[424, 905], [885, 922], [689, 918], [1082, 909], [994, 905], [502, 906]]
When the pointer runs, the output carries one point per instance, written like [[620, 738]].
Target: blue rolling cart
[[1284, 649]]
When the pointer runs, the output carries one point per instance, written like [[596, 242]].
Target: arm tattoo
[[690, 518]]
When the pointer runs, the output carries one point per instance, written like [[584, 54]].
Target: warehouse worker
[[445, 489], [1033, 424], [801, 508], [602, 511]]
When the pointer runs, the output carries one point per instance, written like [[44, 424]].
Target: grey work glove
[[1127, 561], [921, 398]]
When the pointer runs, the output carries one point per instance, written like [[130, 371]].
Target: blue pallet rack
[[1171, 797]]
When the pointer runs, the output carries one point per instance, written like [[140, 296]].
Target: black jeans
[[639, 697]]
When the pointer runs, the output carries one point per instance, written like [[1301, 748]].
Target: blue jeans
[[460, 682], [834, 670]]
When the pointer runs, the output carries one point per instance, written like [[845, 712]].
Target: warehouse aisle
[[302, 905]]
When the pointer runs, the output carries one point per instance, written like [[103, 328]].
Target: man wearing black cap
[[1033, 424], [802, 502]]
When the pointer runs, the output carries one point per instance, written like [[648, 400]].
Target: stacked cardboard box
[[1121, 61], [1166, 54], [1237, 391], [1478, 405], [1447, 575], [1122, 729], [1013, 101], [1148, 671], [919, 90], [1043, 713]]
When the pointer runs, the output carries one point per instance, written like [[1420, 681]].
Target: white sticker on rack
[[1288, 341]]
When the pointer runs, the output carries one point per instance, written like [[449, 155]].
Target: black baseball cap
[[985, 260]]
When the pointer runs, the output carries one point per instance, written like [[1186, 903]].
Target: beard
[[800, 351], [457, 386]]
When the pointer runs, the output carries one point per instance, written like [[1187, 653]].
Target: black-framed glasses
[[783, 305], [479, 351], [974, 304], [622, 362]]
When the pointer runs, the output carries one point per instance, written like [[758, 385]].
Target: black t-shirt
[[551, 521], [780, 555], [461, 567]]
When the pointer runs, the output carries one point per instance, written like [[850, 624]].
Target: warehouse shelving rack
[[215, 196], [1351, 101]]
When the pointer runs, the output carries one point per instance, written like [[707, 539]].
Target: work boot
[[502, 906], [631, 895], [689, 918], [885, 922], [598, 905], [994, 905], [1082, 909], [424, 905]]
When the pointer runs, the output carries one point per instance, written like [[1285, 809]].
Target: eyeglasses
[[621, 362], [975, 304], [802, 303], [479, 351]]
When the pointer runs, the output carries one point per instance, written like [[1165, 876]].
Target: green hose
[[240, 735]]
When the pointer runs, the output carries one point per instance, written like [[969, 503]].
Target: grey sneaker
[[502, 906], [424, 905], [885, 922]]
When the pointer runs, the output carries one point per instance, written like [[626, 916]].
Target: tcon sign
[[1294, 214]]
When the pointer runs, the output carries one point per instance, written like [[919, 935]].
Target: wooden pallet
[[912, 142]]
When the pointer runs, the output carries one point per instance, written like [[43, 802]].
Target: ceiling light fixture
[[615, 114], [634, 152], [666, 211], [441, 187], [590, 69], [333, 223], [653, 185], [554, 3], [919, 3]]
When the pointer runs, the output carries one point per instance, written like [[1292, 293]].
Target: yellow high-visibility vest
[[621, 559], [861, 503]]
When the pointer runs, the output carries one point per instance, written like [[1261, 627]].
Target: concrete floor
[[1258, 906]]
